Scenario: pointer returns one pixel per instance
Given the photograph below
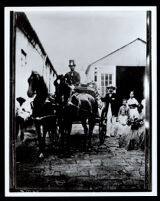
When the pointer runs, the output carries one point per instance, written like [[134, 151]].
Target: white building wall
[[132, 55], [34, 61], [101, 69], [52, 79], [90, 75]]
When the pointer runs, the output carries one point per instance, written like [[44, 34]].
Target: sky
[[85, 35]]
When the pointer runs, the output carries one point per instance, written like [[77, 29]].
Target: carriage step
[[77, 122], [98, 119]]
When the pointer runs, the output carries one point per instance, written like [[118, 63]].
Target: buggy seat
[[83, 88]]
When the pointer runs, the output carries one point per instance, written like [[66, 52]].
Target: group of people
[[126, 122], [131, 123]]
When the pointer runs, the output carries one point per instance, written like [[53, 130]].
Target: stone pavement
[[103, 168]]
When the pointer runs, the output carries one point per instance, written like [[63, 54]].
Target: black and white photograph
[[80, 88]]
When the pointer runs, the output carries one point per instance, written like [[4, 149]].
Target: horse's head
[[59, 81], [33, 82], [62, 89]]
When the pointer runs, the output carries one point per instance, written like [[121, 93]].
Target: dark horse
[[43, 109], [75, 107]]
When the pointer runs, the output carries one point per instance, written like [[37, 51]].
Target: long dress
[[122, 125], [133, 112], [123, 130], [143, 102], [137, 133], [141, 130]]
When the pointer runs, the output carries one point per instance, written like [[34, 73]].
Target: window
[[95, 74], [23, 58], [110, 78], [106, 79]]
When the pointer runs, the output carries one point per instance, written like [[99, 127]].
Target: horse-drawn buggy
[[56, 113]]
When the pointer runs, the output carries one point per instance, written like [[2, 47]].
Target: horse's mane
[[42, 89], [81, 97], [62, 89], [40, 98], [41, 95]]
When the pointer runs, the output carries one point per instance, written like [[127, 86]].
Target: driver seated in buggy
[[73, 80], [72, 77]]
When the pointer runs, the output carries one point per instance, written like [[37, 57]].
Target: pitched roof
[[113, 53]]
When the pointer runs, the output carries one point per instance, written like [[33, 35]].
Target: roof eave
[[113, 53]]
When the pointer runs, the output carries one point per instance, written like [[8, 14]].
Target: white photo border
[[153, 10]]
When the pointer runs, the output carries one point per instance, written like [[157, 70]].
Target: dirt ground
[[103, 168]]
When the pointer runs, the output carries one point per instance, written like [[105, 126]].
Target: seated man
[[72, 77], [73, 80]]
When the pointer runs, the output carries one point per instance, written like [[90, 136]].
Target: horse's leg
[[38, 130], [42, 144], [62, 133], [21, 123], [91, 122], [54, 138], [84, 124], [56, 131], [50, 135], [68, 132], [41, 137], [52, 130]]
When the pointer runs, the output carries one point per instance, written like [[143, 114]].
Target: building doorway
[[130, 78]]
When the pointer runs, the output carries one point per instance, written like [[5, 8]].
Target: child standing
[[122, 127]]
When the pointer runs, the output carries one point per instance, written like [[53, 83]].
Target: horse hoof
[[100, 143], [41, 155]]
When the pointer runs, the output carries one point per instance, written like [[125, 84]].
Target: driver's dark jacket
[[73, 77]]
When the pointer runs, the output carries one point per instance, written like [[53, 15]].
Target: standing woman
[[133, 104]]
